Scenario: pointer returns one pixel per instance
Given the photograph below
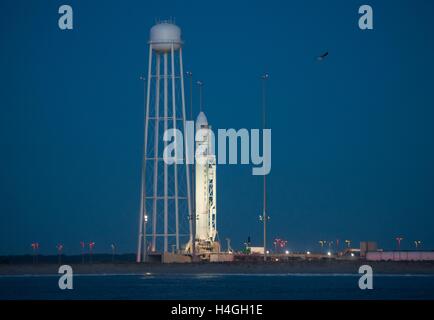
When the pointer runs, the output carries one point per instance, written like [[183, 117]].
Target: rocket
[[205, 182]]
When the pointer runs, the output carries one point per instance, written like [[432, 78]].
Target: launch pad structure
[[169, 226]]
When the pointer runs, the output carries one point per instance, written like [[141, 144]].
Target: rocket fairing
[[205, 182]]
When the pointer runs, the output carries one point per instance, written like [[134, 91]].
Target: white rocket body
[[205, 182]]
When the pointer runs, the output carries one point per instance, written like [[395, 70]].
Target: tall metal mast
[[187, 145], [200, 85], [192, 176], [264, 213]]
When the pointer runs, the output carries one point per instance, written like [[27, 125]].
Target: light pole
[[330, 245], [279, 245], [348, 242], [59, 252], [398, 241], [190, 76], [145, 245], [193, 213], [200, 85], [417, 243], [265, 217], [91, 246], [322, 243], [113, 251], [82, 245], [229, 245], [143, 182], [35, 248], [284, 244]]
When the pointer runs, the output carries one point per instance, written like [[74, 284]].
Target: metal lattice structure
[[165, 203]]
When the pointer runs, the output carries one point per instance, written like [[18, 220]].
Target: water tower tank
[[163, 35]]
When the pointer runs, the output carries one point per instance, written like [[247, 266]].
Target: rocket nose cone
[[201, 121]]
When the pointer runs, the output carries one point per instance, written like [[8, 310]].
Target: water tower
[[165, 206]]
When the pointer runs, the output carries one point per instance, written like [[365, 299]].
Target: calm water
[[217, 287]]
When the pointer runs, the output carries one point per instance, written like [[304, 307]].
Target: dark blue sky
[[353, 136]]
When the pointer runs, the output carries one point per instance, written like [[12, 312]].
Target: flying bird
[[323, 56]]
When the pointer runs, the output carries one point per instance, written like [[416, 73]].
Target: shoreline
[[254, 268]]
